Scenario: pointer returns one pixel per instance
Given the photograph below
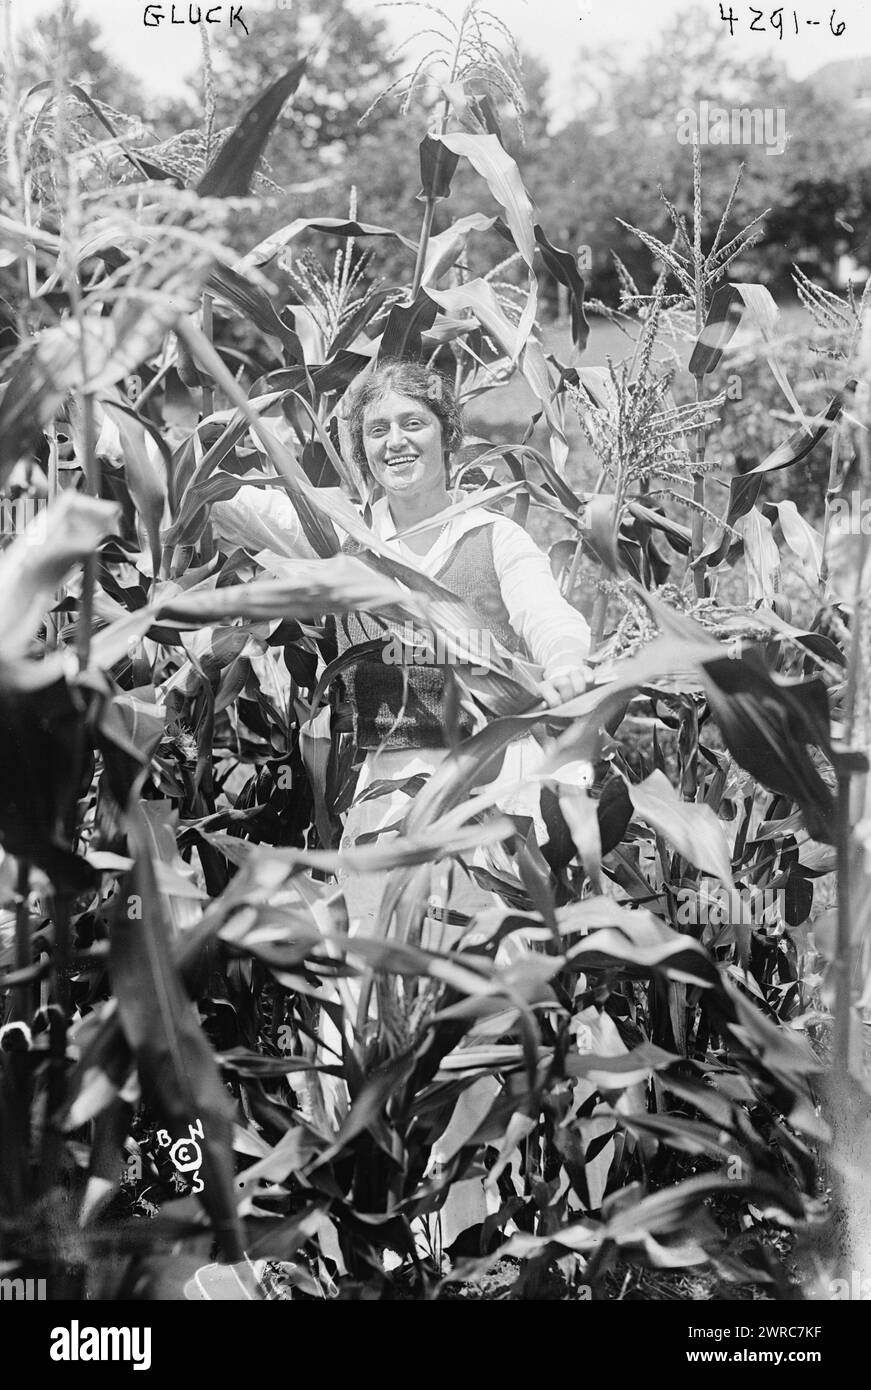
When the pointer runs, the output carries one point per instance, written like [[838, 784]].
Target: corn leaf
[[146, 477], [437, 167], [493, 162], [175, 1063], [254, 304], [230, 173], [445, 249], [767, 724], [804, 541], [38, 560], [762, 556], [406, 323], [564, 268], [691, 827], [744, 488], [266, 250]]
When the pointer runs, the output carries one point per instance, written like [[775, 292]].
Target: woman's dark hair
[[419, 383]]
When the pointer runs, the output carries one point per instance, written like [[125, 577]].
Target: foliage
[[630, 1070], [76, 40], [610, 159]]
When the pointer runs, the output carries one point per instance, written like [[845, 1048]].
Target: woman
[[405, 425]]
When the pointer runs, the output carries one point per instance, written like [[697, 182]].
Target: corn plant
[[188, 1058]]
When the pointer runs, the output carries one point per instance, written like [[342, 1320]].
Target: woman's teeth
[[401, 458]]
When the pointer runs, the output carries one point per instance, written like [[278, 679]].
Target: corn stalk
[[831, 490], [846, 1091], [209, 105], [22, 995], [699, 450]]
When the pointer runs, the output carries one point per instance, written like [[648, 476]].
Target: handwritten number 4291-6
[[775, 21]]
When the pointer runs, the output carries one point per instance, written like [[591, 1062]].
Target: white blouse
[[556, 634]]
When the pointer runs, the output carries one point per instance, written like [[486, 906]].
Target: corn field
[[645, 1058]]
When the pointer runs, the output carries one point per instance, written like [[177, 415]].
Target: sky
[[558, 31]]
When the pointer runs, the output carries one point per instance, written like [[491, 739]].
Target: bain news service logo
[[185, 1155]]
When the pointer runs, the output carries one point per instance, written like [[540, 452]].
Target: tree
[[611, 161], [348, 68], [77, 49]]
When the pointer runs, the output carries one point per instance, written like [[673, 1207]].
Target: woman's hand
[[559, 689]]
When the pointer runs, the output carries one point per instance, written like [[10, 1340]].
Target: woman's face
[[403, 443]]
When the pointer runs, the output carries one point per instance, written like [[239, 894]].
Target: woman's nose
[[395, 436]]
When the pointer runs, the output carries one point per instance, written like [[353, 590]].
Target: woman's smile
[[403, 462]]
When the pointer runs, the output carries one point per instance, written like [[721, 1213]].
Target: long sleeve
[[261, 518], [557, 635]]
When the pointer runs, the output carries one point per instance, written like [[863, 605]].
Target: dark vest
[[403, 706]]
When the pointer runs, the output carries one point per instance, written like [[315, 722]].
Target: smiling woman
[[405, 425]]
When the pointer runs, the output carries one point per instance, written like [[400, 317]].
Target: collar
[[385, 527]]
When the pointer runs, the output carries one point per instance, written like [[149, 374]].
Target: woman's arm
[[261, 518], [557, 635]]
